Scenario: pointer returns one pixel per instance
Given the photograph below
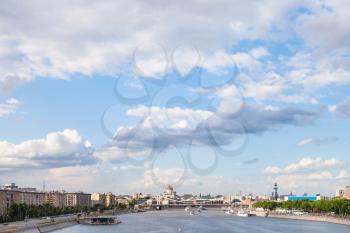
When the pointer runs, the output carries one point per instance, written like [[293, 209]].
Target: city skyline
[[232, 100]]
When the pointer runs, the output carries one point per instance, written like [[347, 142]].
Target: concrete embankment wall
[[314, 218], [47, 228]]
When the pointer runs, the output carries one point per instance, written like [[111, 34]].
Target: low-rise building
[[303, 198], [344, 193]]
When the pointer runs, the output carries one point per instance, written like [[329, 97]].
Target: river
[[206, 222]]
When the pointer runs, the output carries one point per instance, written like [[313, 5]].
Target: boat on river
[[100, 220], [243, 214], [229, 211]]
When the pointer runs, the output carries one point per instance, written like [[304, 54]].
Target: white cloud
[[73, 38], [309, 174], [72, 178], [127, 168], [158, 178], [161, 128], [330, 14], [305, 141], [9, 107], [342, 174], [87, 44], [57, 149], [317, 141], [272, 170], [322, 181], [342, 109], [172, 118], [305, 164]]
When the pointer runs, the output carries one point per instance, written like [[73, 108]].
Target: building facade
[[97, 199], [77, 199], [110, 199], [32, 198], [344, 193], [56, 199], [3, 204], [9, 197], [302, 198]]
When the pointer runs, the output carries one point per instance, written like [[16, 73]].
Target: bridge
[[194, 205]]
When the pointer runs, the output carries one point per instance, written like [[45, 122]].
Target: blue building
[[302, 198]]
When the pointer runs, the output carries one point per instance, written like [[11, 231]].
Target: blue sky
[[218, 98]]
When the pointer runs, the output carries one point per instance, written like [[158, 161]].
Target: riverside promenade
[[39, 225], [47, 225], [316, 218]]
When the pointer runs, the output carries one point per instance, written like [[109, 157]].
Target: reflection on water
[[206, 222]]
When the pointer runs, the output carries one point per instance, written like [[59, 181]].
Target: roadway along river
[[205, 222]]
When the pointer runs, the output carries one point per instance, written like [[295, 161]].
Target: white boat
[[230, 211], [242, 214]]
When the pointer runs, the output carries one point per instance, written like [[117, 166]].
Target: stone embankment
[[328, 219]]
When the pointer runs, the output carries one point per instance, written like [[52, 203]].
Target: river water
[[206, 222]]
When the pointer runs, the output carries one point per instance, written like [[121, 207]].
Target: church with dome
[[169, 192]]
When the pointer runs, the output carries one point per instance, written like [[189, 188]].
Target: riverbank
[[327, 219], [46, 225], [39, 225], [44, 228]]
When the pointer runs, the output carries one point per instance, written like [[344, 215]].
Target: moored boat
[[230, 211], [243, 214], [100, 220]]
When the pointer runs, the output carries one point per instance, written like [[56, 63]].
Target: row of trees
[[338, 206], [19, 212]]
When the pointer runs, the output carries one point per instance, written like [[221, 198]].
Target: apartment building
[[56, 199], [77, 199], [110, 199], [98, 199]]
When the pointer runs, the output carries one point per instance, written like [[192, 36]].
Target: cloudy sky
[[210, 96]]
